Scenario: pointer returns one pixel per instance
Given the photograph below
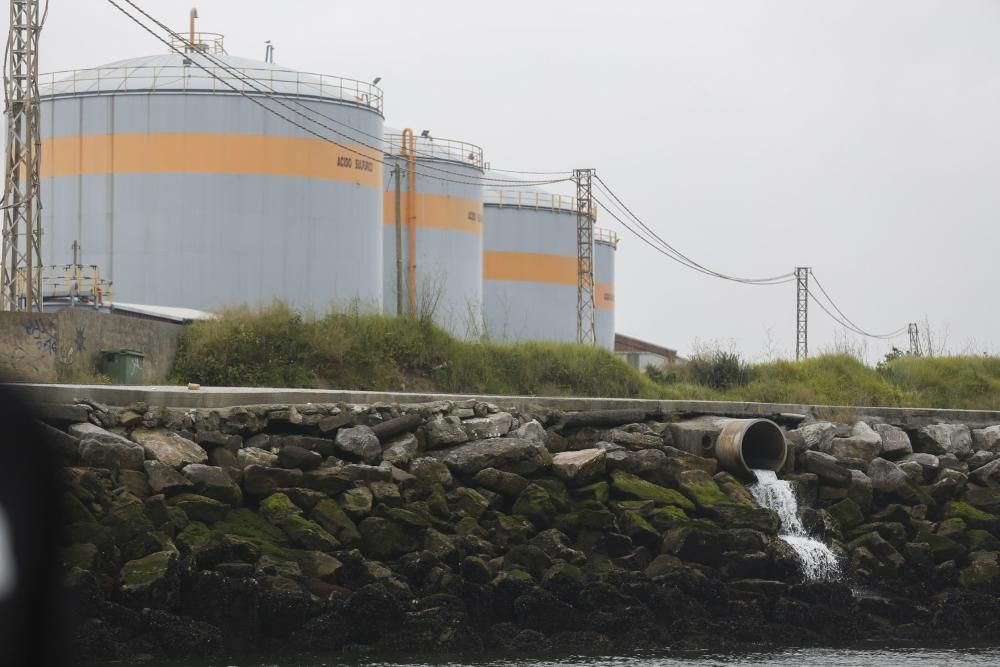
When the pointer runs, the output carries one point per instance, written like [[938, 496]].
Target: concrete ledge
[[49, 395]]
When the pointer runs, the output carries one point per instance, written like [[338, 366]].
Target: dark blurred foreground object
[[30, 627]]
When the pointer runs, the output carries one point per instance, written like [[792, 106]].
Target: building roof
[[628, 344]]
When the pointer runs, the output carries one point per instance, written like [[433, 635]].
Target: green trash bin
[[122, 366]]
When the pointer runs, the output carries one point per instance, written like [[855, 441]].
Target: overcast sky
[[856, 137]]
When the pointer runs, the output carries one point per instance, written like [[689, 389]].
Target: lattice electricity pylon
[[585, 331], [802, 313], [21, 272], [914, 332]]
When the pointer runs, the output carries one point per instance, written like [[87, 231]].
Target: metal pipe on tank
[[739, 445], [410, 152], [194, 15]]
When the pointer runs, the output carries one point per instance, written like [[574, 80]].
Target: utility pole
[[585, 332], [397, 172], [802, 313], [21, 272], [914, 332]]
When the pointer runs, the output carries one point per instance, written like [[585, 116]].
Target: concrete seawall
[[50, 395]]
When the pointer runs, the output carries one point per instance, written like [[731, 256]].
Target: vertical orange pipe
[[409, 151], [194, 15]]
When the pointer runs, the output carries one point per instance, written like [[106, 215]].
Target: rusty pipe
[[194, 15], [739, 445]]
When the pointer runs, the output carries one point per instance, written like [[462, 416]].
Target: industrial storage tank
[[438, 196], [605, 247], [530, 268], [177, 178]]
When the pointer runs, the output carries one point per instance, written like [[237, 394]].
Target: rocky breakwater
[[460, 526]]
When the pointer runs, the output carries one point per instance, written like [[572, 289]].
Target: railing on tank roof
[[440, 149], [606, 236], [535, 200], [204, 42], [191, 78]]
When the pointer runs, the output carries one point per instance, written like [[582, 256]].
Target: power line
[[684, 259], [846, 321], [258, 86]]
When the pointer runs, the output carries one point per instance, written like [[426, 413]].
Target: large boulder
[[401, 450], [214, 482], [88, 431], [580, 467], [111, 454], [524, 457], [261, 481], [826, 468], [166, 447], [292, 456], [444, 432], [817, 436], [701, 489], [863, 443], [987, 475], [632, 487], [895, 442], [944, 439], [165, 479], [987, 438], [254, 456], [491, 426], [359, 443], [498, 481]]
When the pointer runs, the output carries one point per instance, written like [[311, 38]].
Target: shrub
[[718, 369]]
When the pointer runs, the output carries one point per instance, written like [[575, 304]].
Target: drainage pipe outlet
[[739, 445]]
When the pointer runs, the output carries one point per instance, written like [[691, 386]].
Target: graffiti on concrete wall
[[43, 335]]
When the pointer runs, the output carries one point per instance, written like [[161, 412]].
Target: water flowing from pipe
[[818, 562]]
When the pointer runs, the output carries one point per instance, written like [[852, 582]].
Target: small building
[[639, 354]]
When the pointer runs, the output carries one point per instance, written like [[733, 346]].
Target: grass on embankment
[[275, 347]]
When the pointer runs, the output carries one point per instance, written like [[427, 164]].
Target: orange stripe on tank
[[604, 296], [439, 212], [529, 267], [202, 153]]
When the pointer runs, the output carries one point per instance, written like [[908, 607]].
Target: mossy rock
[[639, 529], [734, 489], [696, 541], [75, 511], [83, 556], [729, 515], [890, 531], [980, 574], [536, 505], [200, 508], [627, 485], [410, 517], [975, 518], [557, 491], [528, 558], [508, 531], [599, 491], [148, 570], [943, 548], [665, 518], [88, 532], [663, 564], [847, 513], [248, 525], [280, 584], [280, 565], [954, 528], [278, 507], [562, 577], [467, 502], [319, 565], [981, 540], [356, 502], [194, 537], [384, 540], [309, 534], [327, 513], [592, 514], [437, 502], [701, 489], [476, 570], [469, 526]]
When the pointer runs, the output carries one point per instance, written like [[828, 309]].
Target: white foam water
[[818, 562]]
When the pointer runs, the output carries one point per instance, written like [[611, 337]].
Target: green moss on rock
[[975, 518], [528, 558], [536, 505], [200, 508], [83, 556], [145, 572], [599, 491], [327, 513], [384, 540], [627, 485], [701, 489]]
